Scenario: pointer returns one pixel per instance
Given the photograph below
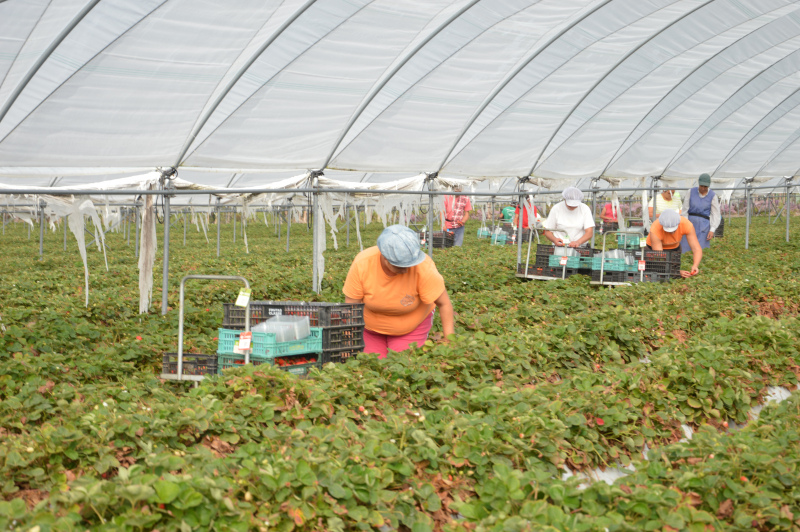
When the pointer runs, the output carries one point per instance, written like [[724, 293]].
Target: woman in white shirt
[[570, 222]]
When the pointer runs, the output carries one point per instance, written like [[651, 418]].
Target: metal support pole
[[136, 239], [654, 182], [347, 217], [519, 220], [219, 223], [494, 218], [41, 232], [234, 224], [430, 215], [315, 235], [165, 274], [594, 207], [788, 205], [747, 218], [288, 225], [65, 232]]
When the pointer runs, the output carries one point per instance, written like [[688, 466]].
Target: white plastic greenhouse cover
[[560, 89]]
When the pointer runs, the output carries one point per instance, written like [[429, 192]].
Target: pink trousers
[[381, 343]]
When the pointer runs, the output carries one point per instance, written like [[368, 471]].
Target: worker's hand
[[691, 273], [558, 242], [574, 245], [710, 235]]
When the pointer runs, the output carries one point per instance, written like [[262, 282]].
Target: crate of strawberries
[[298, 365]]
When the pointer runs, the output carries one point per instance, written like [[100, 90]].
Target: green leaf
[[166, 491], [304, 473], [694, 403]]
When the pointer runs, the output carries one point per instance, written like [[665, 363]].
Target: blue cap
[[704, 180], [400, 246]]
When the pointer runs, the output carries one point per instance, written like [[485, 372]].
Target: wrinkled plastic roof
[[560, 89]]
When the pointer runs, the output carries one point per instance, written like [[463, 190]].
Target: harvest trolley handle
[[180, 319], [603, 253]]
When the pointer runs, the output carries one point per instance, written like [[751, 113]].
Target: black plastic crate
[[343, 337], [673, 256], [558, 272], [607, 226], [613, 277], [545, 249], [320, 314], [441, 239], [542, 261], [533, 270], [720, 232], [193, 364], [661, 267], [338, 356], [512, 238]]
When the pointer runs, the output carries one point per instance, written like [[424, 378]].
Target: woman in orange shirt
[[400, 287], [666, 234]]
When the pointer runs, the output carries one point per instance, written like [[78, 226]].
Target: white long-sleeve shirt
[[716, 213]]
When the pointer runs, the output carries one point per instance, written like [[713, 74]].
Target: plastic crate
[[720, 232], [672, 256], [554, 261], [545, 249], [343, 337], [299, 369], [499, 237], [339, 356], [558, 272], [484, 232], [541, 261], [264, 344], [232, 361], [193, 364], [607, 226], [609, 264], [661, 267], [441, 239], [628, 241], [319, 314], [613, 276]]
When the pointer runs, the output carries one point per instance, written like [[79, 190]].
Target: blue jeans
[[458, 233]]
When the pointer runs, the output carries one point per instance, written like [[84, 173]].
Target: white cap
[[572, 196], [670, 220]]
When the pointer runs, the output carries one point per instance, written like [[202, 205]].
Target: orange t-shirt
[[670, 240], [393, 305]]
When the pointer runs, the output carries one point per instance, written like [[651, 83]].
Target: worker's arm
[[650, 212], [697, 253], [446, 310], [351, 300], [656, 242], [716, 216], [466, 218], [552, 238], [587, 235]]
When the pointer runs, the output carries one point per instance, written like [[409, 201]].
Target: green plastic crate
[[609, 265], [265, 346], [572, 262], [484, 233], [628, 241], [500, 238], [232, 361]]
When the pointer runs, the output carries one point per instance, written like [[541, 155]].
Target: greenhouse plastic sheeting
[[560, 89]]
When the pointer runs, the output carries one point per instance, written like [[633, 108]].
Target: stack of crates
[[661, 265], [720, 232], [341, 325], [546, 264], [296, 356], [484, 232], [499, 238]]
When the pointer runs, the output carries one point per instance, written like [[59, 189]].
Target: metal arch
[[46, 55], [782, 148], [201, 121], [617, 155], [608, 73], [763, 120], [33, 28], [87, 62], [511, 75], [437, 66], [271, 77], [381, 83]]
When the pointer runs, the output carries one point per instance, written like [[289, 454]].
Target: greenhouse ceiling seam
[[510, 77], [203, 119], [765, 119], [622, 60], [45, 56], [387, 76], [617, 155]]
